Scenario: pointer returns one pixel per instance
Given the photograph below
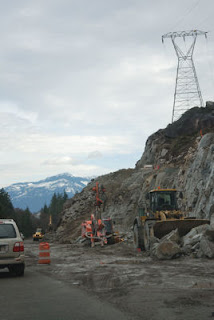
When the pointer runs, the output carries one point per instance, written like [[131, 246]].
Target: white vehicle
[[11, 247]]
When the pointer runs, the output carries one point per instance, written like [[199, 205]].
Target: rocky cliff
[[180, 156]]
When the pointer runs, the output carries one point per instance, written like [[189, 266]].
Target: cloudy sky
[[83, 83]]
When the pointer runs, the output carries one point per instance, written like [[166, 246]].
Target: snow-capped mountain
[[35, 195]]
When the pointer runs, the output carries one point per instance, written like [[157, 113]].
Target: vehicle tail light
[[18, 247]]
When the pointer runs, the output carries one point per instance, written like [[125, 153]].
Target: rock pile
[[198, 243]]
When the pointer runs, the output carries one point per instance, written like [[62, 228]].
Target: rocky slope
[[180, 156]]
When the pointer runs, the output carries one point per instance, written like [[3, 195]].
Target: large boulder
[[190, 242], [172, 236], [206, 248], [166, 250], [212, 220], [210, 233], [194, 236], [200, 241]]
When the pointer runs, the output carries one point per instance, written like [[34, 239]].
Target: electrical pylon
[[187, 90]]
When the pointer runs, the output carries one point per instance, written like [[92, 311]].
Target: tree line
[[52, 211], [28, 222]]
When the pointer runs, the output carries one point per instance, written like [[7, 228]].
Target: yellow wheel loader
[[38, 235], [161, 217]]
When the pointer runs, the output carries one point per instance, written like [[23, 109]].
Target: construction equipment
[[38, 235], [161, 217], [98, 229], [50, 225]]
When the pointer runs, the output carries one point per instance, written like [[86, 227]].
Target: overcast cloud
[[84, 83]]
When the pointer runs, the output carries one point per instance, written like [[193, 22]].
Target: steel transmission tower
[[187, 91]]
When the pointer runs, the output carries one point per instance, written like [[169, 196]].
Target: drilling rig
[[98, 229]]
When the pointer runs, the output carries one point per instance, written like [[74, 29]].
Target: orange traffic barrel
[[44, 253]]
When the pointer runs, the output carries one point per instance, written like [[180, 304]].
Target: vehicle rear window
[[7, 231]]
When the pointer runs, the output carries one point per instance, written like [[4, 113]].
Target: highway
[[39, 297]]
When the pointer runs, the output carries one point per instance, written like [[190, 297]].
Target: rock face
[[180, 156]]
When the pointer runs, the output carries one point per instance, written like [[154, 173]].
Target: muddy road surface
[[131, 282]]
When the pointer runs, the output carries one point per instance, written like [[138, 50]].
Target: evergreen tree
[[24, 220], [6, 207], [56, 206], [65, 196], [44, 217], [27, 223]]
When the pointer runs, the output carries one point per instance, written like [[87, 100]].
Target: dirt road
[[132, 282]]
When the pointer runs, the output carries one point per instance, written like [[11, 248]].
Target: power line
[[210, 63], [204, 20], [189, 10]]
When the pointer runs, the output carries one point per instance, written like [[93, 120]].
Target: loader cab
[[163, 199]]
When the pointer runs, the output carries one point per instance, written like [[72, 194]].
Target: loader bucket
[[161, 228]]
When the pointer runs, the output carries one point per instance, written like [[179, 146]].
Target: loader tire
[[138, 237], [147, 232], [146, 242]]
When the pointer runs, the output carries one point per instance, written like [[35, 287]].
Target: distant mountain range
[[35, 195]]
